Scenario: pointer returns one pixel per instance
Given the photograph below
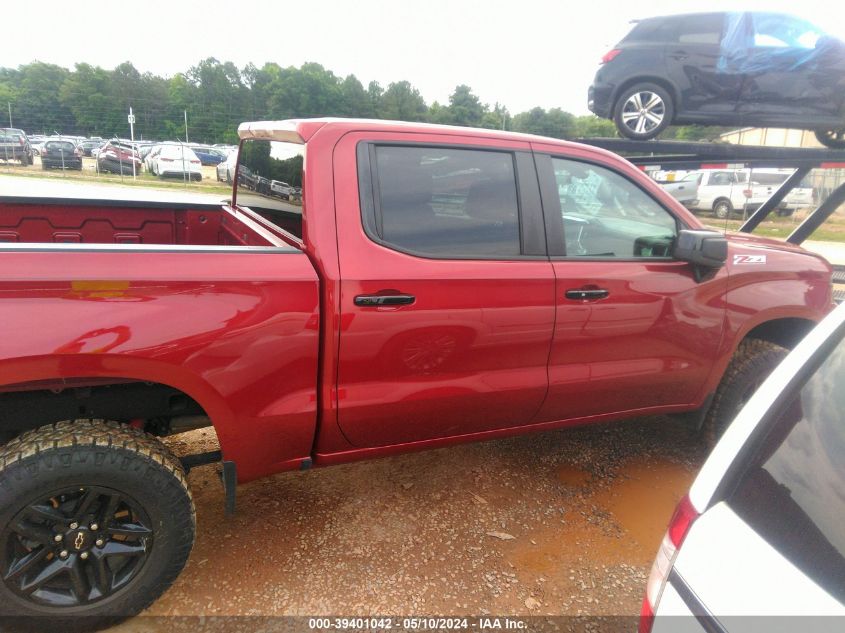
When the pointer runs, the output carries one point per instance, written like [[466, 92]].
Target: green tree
[[554, 123], [38, 99], [309, 91], [465, 108], [402, 102]]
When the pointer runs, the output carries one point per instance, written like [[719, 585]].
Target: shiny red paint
[[234, 330], [271, 345]]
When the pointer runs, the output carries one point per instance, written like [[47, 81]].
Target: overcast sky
[[521, 53]]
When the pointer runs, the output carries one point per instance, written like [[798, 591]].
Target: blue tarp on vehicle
[[770, 42]]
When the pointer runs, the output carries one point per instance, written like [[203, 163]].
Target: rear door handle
[[582, 294], [365, 301]]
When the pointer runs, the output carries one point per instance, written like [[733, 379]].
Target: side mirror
[[702, 249]]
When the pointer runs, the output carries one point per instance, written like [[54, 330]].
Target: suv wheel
[[643, 111], [751, 364], [835, 139], [97, 521], [722, 208]]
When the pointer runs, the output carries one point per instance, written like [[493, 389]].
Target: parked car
[[684, 190], [729, 191], [760, 533], [149, 159], [118, 157], [280, 189], [208, 155], [489, 284], [729, 68], [14, 145], [176, 160], [87, 146], [226, 169], [61, 154]]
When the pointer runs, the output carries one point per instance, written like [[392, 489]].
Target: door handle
[[366, 301], [583, 294], [680, 55]]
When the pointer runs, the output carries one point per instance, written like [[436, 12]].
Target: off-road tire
[[107, 455], [751, 364]]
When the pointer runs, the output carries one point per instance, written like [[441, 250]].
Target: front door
[[791, 69], [634, 329], [447, 297]]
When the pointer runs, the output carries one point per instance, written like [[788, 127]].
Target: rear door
[[692, 62], [447, 296], [634, 330]]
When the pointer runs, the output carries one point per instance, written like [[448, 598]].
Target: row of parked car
[[112, 155], [727, 191]]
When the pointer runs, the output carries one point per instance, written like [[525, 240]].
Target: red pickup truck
[[437, 285]]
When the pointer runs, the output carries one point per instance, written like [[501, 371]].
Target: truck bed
[[72, 221]]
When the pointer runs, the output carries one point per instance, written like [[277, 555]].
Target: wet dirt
[[564, 522]]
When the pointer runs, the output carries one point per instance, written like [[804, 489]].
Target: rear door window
[[446, 202], [793, 494], [705, 28]]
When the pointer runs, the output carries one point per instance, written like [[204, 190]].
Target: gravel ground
[[559, 523]]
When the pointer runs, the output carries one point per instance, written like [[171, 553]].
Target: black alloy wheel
[[75, 546]]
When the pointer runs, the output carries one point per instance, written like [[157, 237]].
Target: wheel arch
[[785, 331], [660, 81], [39, 374]]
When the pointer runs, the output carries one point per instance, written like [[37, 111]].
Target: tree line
[[216, 96]]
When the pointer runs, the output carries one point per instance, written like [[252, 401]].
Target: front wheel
[[97, 521], [834, 139], [643, 111], [751, 364]]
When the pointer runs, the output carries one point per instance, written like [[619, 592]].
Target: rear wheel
[[643, 111], [97, 521], [751, 364], [835, 139], [722, 208]]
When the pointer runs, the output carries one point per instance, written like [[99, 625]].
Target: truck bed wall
[[92, 223]]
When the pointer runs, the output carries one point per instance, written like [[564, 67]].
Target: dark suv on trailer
[[730, 68]]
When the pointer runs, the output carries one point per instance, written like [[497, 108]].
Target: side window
[[445, 202], [606, 215], [772, 30], [722, 178], [702, 29]]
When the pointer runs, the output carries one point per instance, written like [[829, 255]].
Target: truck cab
[[435, 285]]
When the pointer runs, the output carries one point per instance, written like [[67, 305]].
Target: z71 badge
[[749, 259]]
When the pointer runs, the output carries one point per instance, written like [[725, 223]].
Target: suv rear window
[[793, 495]]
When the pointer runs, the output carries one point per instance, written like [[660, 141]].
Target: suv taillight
[[678, 528], [609, 56]]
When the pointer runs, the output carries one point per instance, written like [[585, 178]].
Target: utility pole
[[10, 114], [131, 119], [186, 125]]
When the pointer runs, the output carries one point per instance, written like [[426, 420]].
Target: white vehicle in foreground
[[762, 532], [175, 160]]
